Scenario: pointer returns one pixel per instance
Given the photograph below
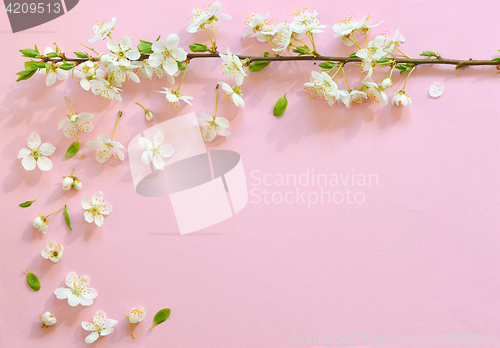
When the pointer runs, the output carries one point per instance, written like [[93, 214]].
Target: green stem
[[349, 88], [53, 213], [404, 54], [353, 41], [142, 106], [116, 125], [70, 109], [182, 80], [404, 86], [213, 45], [215, 37], [132, 329], [312, 42], [216, 99], [91, 48], [73, 173]]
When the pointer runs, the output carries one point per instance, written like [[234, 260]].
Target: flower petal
[[34, 140], [88, 217], [92, 337], [29, 163], [73, 300], [47, 149], [172, 40], [86, 325], [158, 138], [99, 220], [44, 163], [62, 293], [158, 162]]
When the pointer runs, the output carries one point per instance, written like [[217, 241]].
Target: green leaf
[[429, 54], [33, 281], [460, 67], [73, 149], [52, 54], [145, 47], [158, 38], [327, 65], [30, 53], [197, 47], [266, 54], [27, 204], [161, 316], [81, 55], [258, 65], [302, 50], [280, 107], [353, 55], [383, 60], [182, 65], [496, 59], [67, 66], [403, 67], [66, 217], [25, 74]]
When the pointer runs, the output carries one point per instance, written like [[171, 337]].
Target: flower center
[[55, 253]]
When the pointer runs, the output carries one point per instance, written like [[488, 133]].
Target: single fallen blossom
[[136, 315], [106, 147], [53, 251], [156, 151], [76, 123], [96, 208], [36, 154], [78, 290], [211, 126], [48, 319], [41, 222], [100, 325]]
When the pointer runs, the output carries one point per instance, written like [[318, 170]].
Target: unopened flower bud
[[40, 223], [67, 183], [77, 184], [48, 319], [149, 115], [386, 83]]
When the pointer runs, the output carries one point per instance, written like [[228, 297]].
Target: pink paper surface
[[414, 252]]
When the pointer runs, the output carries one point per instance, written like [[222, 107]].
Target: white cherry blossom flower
[[101, 86], [373, 52], [364, 24], [156, 151], [233, 94], [352, 97], [95, 208], [283, 38], [321, 86], [120, 73], [207, 17], [167, 54], [232, 67], [106, 148], [267, 32], [86, 73], [136, 315], [254, 23], [122, 53], [53, 251], [401, 98], [386, 83], [41, 224], [212, 126], [396, 40], [306, 22], [77, 123], [102, 29], [78, 290], [174, 97], [48, 319], [345, 28], [374, 92], [100, 325], [36, 154], [53, 72]]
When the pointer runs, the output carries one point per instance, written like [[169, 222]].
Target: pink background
[[420, 257]]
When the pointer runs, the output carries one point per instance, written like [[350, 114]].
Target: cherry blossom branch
[[345, 60]]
